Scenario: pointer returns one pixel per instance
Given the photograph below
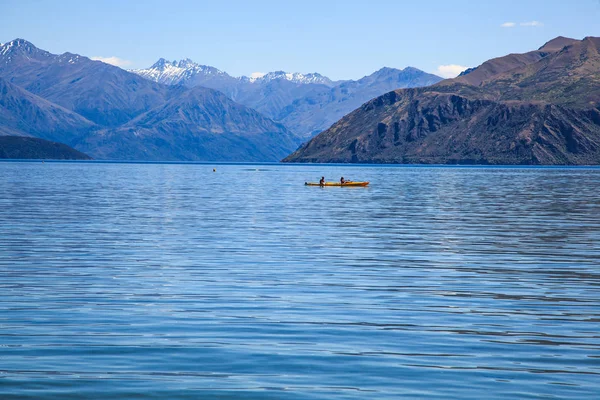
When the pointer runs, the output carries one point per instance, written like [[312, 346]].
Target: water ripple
[[173, 281]]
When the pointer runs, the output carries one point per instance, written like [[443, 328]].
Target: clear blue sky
[[340, 39]]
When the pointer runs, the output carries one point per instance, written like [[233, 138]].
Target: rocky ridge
[[541, 107]]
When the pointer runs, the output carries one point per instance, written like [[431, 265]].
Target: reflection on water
[[174, 281]]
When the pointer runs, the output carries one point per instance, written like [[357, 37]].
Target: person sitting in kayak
[[342, 181], [322, 181]]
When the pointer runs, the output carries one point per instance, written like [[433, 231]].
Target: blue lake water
[[171, 281]]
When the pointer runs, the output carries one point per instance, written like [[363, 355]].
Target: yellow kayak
[[349, 183]]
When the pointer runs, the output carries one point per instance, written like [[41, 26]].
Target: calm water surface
[[123, 281]]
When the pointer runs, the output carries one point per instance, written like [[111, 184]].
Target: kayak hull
[[350, 184]]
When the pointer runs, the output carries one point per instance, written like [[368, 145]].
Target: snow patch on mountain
[[257, 75]]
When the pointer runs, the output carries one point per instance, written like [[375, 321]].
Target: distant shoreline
[[348, 165]]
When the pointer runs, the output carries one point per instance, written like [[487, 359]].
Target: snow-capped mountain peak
[[160, 64], [176, 72], [21, 47], [187, 63], [295, 77]]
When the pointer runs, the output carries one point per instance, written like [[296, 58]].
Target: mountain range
[[174, 110], [189, 73], [319, 109], [110, 113], [305, 103], [541, 107], [198, 124]]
